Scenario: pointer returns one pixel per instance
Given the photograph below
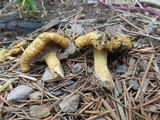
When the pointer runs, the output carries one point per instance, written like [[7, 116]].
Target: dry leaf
[[69, 103], [39, 111]]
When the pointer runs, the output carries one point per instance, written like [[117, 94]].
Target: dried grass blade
[[7, 84], [144, 76], [107, 106]]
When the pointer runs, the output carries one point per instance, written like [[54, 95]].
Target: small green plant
[[28, 5]]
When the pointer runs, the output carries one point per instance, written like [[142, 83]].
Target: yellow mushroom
[[102, 45], [50, 56], [4, 53]]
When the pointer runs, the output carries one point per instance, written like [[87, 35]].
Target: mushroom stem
[[102, 72], [54, 66]]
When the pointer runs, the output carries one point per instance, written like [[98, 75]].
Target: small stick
[[107, 106], [57, 114], [13, 67], [39, 88], [86, 107], [129, 102], [100, 115], [130, 23], [145, 35], [147, 103], [6, 102], [144, 76], [126, 107], [7, 84], [44, 9]]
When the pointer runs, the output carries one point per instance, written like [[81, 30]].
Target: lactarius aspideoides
[[102, 45], [5, 53], [46, 38]]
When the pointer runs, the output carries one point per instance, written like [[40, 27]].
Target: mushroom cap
[[119, 42], [101, 40], [93, 38]]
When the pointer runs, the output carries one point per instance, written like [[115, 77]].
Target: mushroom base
[[102, 73], [54, 64]]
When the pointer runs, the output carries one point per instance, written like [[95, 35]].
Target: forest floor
[[77, 96]]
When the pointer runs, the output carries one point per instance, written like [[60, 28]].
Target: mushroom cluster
[[103, 43]]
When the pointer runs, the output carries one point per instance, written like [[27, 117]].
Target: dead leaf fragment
[[134, 83], [39, 111], [35, 96], [69, 103]]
